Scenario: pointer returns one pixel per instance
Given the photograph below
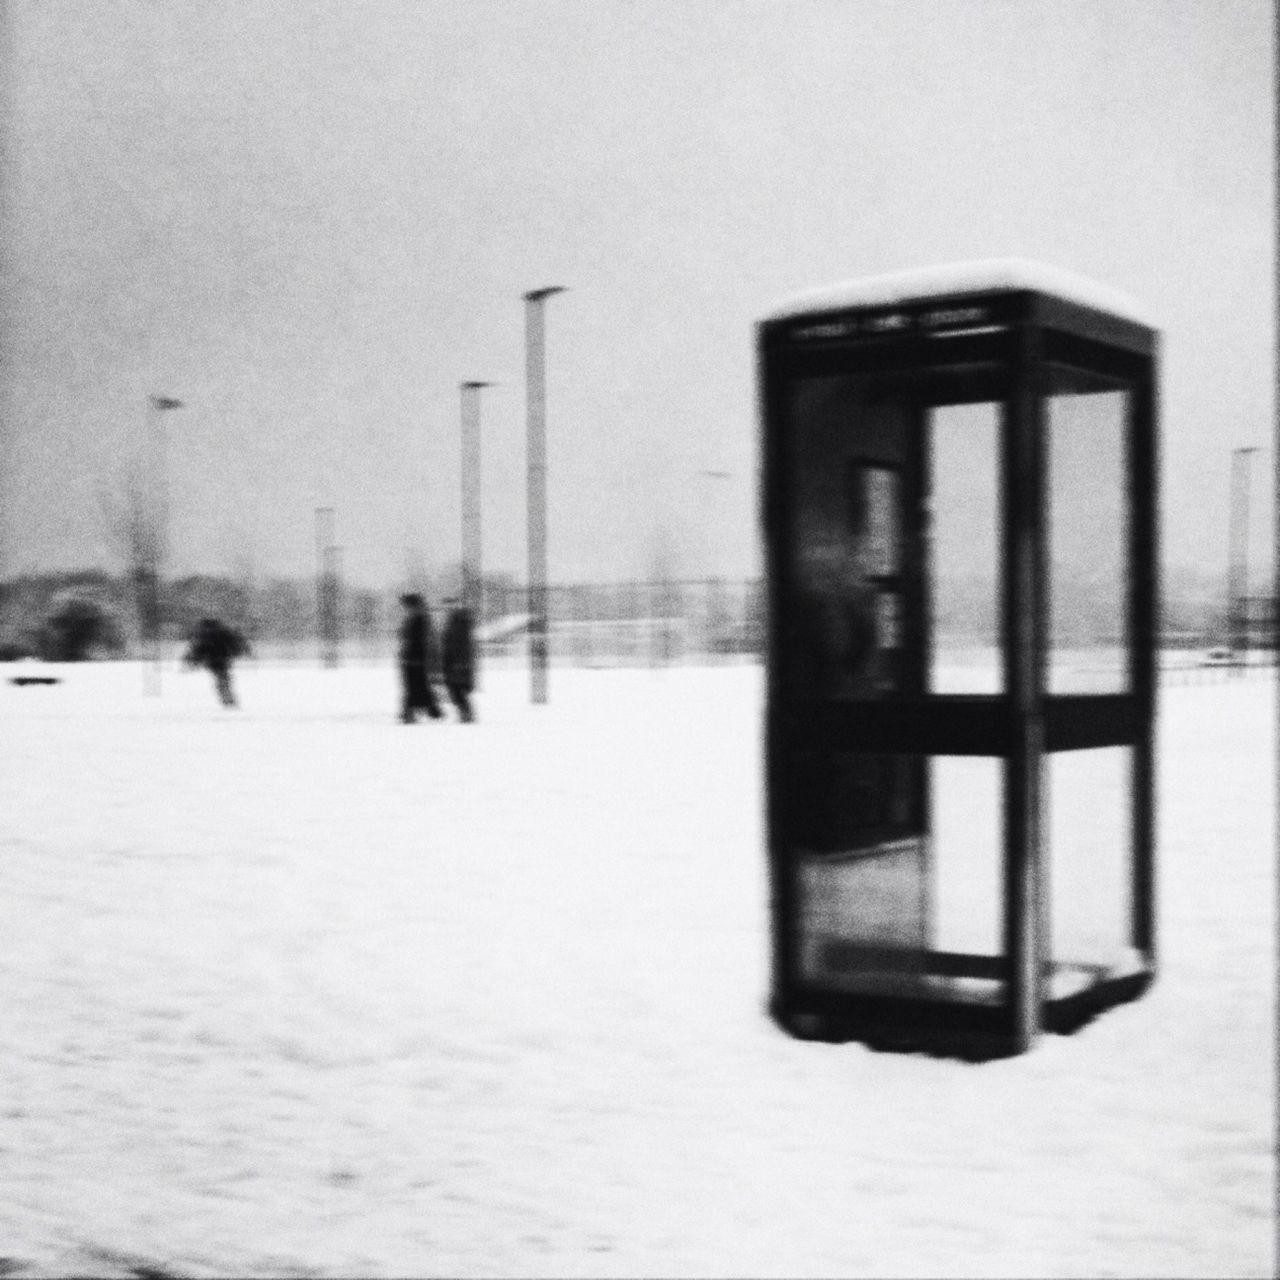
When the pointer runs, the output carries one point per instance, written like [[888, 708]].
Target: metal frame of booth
[[1002, 335]]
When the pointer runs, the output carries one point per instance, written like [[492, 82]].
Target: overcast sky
[[310, 219]]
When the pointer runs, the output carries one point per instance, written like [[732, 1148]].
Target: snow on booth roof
[[949, 279]]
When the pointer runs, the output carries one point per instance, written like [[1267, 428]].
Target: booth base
[[977, 1026]]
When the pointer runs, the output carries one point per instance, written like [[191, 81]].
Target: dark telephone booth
[[959, 494]]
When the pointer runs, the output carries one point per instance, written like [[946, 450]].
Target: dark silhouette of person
[[215, 646], [460, 660], [417, 659]]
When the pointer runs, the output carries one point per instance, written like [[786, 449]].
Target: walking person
[[460, 660], [215, 646], [417, 656]]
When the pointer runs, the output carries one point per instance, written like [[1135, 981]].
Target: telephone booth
[[959, 506]]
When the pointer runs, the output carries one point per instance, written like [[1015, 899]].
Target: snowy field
[[296, 990]]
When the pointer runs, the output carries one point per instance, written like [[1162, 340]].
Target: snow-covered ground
[[298, 990]]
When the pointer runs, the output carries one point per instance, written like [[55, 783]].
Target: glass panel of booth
[[893, 911], [863, 916], [914, 915], [1088, 535], [964, 545], [894, 540], [966, 828], [1089, 865]]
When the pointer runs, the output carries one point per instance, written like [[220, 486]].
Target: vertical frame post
[[777, 500], [1144, 480], [1023, 639]]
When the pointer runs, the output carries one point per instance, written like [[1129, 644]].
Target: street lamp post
[[153, 547], [472, 577], [1238, 568], [536, 410]]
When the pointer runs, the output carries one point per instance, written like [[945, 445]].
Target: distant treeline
[[96, 613], [93, 613]]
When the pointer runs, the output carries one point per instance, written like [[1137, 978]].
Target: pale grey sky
[[310, 219]]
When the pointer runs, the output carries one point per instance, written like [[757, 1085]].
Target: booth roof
[[956, 278]]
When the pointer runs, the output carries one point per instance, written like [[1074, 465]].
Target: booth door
[[892, 608], [856, 818]]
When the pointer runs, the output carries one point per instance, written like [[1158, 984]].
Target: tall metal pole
[[155, 537], [1238, 569], [324, 629], [536, 411], [472, 573]]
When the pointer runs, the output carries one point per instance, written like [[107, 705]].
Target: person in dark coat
[[417, 658], [215, 646], [460, 660]]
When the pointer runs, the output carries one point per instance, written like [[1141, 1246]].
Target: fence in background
[[1182, 668], [635, 623], [630, 623]]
